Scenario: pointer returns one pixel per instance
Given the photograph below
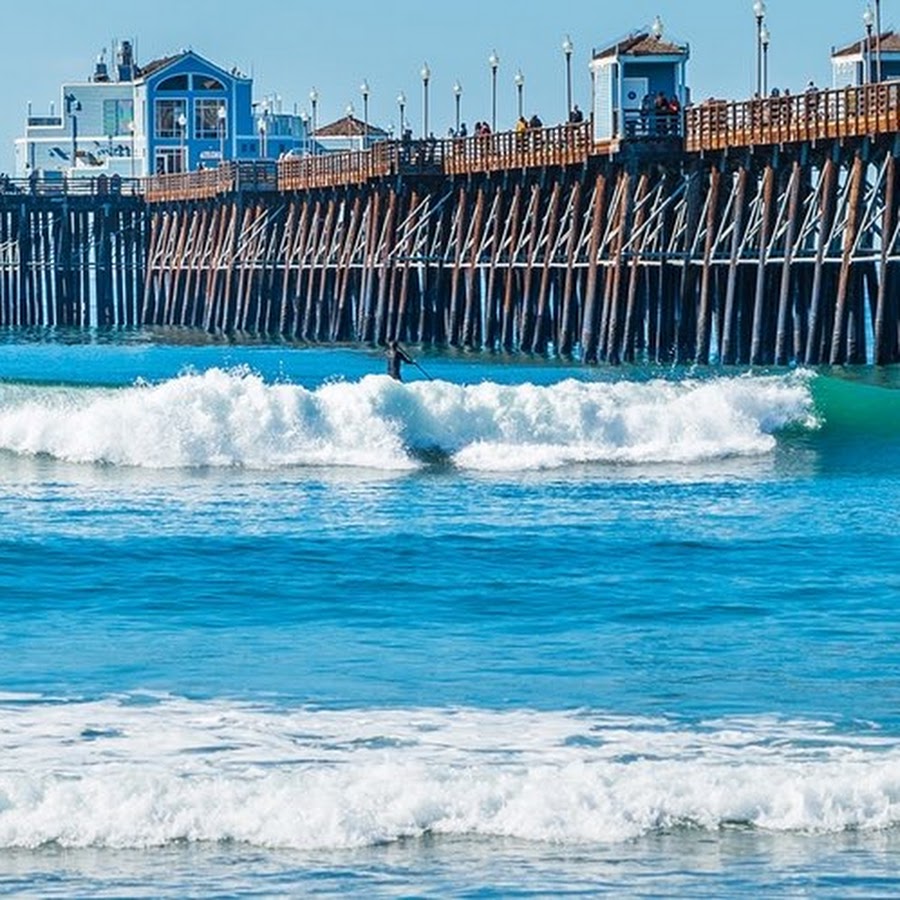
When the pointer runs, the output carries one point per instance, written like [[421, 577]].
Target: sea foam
[[235, 419], [114, 773]]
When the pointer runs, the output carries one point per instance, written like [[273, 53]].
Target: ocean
[[276, 625]]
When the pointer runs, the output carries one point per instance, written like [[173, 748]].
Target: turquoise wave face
[[856, 406]]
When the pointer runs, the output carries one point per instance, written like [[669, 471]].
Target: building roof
[[889, 43], [155, 65], [350, 126], [642, 43]]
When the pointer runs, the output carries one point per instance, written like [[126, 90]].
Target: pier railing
[[57, 185], [709, 126], [811, 116], [559, 145]]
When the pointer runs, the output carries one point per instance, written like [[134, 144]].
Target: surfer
[[396, 355]]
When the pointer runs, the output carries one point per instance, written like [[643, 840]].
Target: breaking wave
[[148, 772], [222, 418]]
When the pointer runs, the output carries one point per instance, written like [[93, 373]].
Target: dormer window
[[207, 83], [174, 83]]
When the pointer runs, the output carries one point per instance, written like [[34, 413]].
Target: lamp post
[[304, 118], [314, 104], [73, 107], [364, 90], [426, 77], [764, 41], [222, 115], [182, 127], [131, 130], [457, 96], [878, 40], [401, 103], [520, 87], [263, 127], [494, 63], [567, 48], [759, 11], [868, 21]]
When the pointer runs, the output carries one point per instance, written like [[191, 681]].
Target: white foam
[[233, 418], [117, 774]]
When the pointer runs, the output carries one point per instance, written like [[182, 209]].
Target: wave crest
[[234, 418], [112, 774]]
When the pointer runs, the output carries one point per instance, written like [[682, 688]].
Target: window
[[175, 83], [118, 117], [207, 123], [207, 83], [168, 112]]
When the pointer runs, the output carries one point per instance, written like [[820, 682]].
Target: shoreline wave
[[123, 773]]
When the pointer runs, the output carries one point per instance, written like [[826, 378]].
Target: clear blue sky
[[291, 45]]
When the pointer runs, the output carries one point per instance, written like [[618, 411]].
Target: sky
[[289, 46]]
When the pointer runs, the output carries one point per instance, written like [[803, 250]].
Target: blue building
[[631, 78], [175, 114]]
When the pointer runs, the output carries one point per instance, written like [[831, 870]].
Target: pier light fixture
[[869, 22], [314, 104], [519, 81], [759, 13], [222, 115], [131, 130], [494, 63], [878, 72], [401, 103], [568, 48], [182, 127], [457, 96], [263, 127], [764, 38], [426, 77], [365, 90], [73, 107]]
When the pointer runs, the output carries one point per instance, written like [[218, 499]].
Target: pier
[[760, 232]]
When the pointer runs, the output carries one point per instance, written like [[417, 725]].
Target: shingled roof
[[642, 43], [350, 126], [889, 43], [155, 65]]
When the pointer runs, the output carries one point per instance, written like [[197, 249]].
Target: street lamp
[[263, 126], [73, 107], [494, 63], [764, 41], [567, 48], [401, 102], [426, 77], [222, 115], [520, 86], [364, 90], [759, 11], [868, 21], [457, 96], [314, 102], [131, 130], [182, 126], [878, 40]]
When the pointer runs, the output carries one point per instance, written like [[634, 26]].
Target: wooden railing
[[250, 175], [57, 185], [334, 169], [815, 115], [560, 145]]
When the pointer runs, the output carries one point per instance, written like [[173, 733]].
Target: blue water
[[273, 624]]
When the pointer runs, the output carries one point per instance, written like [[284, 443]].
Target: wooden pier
[[71, 254], [762, 232]]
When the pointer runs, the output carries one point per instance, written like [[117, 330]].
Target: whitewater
[[234, 418], [274, 624]]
